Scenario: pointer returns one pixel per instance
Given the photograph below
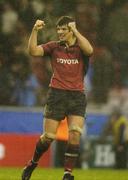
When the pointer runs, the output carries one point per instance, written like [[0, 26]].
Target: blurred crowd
[[24, 80]]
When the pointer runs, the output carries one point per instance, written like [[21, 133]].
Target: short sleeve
[[49, 47]]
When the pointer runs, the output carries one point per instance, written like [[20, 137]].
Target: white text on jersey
[[67, 61]]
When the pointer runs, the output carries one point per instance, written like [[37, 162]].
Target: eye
[[64, 29]]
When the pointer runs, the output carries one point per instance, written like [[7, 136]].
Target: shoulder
[[49, 47], [51, 44]]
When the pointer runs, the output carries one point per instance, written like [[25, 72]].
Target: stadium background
[[24, 80]]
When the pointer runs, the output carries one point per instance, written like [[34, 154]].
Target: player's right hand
[[39, 25]]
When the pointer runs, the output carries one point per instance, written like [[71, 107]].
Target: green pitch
[[56, 174]]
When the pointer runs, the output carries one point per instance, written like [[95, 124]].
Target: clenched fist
[[39, 25], [72, 26]]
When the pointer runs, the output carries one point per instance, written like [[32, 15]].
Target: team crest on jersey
[[67, 61]]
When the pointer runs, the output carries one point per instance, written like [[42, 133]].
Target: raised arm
[[33, 48], [82, 41]]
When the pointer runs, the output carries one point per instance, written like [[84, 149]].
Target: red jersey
[[68, 65]]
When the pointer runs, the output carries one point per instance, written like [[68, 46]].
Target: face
[[64, 34]]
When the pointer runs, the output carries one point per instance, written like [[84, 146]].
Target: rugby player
[[66, 95]]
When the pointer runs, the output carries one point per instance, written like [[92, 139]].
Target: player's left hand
[[72, 26]]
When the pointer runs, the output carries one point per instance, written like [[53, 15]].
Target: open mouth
[[61, 36]]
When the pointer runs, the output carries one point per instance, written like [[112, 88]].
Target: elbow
[[31, 51], [35, 51], [90, 51]]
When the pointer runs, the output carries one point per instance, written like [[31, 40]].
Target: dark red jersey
[[68, 66]]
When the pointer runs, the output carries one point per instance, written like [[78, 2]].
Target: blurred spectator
[[88, 82], [32, 10], [116, 38], [69, 7], [21, 45], [9, 19], [103, 76], [87, 16], [42, 70], [5, 82], [117, 126], [25, 85]]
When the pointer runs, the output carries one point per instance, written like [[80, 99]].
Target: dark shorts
[[61, 103]]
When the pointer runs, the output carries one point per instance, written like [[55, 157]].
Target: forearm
[[83, 43], [32, 43], [33, 48]]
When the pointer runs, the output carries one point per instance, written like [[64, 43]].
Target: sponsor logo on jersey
[[67, 61]]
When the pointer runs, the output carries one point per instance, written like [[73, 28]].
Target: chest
[[67, 60], [65, 53]]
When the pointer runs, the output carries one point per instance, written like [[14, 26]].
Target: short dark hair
[[64, 20]]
